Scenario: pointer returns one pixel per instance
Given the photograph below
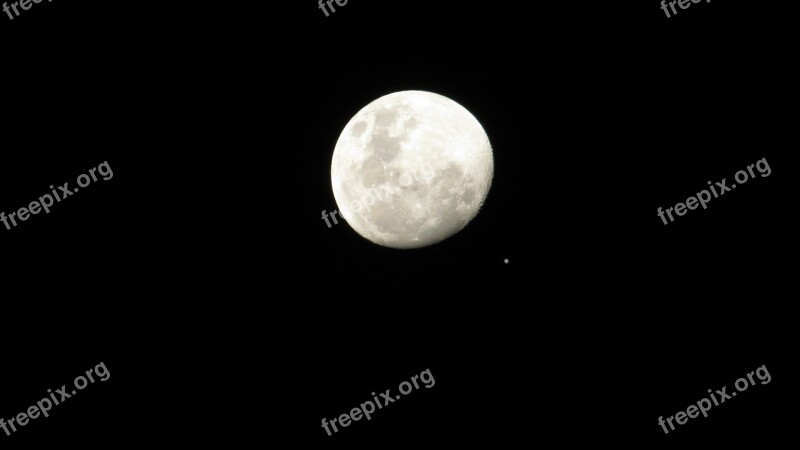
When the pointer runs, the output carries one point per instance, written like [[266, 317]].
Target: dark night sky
[[228, 313]]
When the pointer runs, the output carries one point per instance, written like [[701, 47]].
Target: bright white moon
[[411, 169]]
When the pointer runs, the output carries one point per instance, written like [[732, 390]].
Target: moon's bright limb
[[411, 169]]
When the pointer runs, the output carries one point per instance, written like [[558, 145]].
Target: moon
[[411, 169]]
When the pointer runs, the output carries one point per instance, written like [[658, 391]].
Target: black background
[[228, 313]]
